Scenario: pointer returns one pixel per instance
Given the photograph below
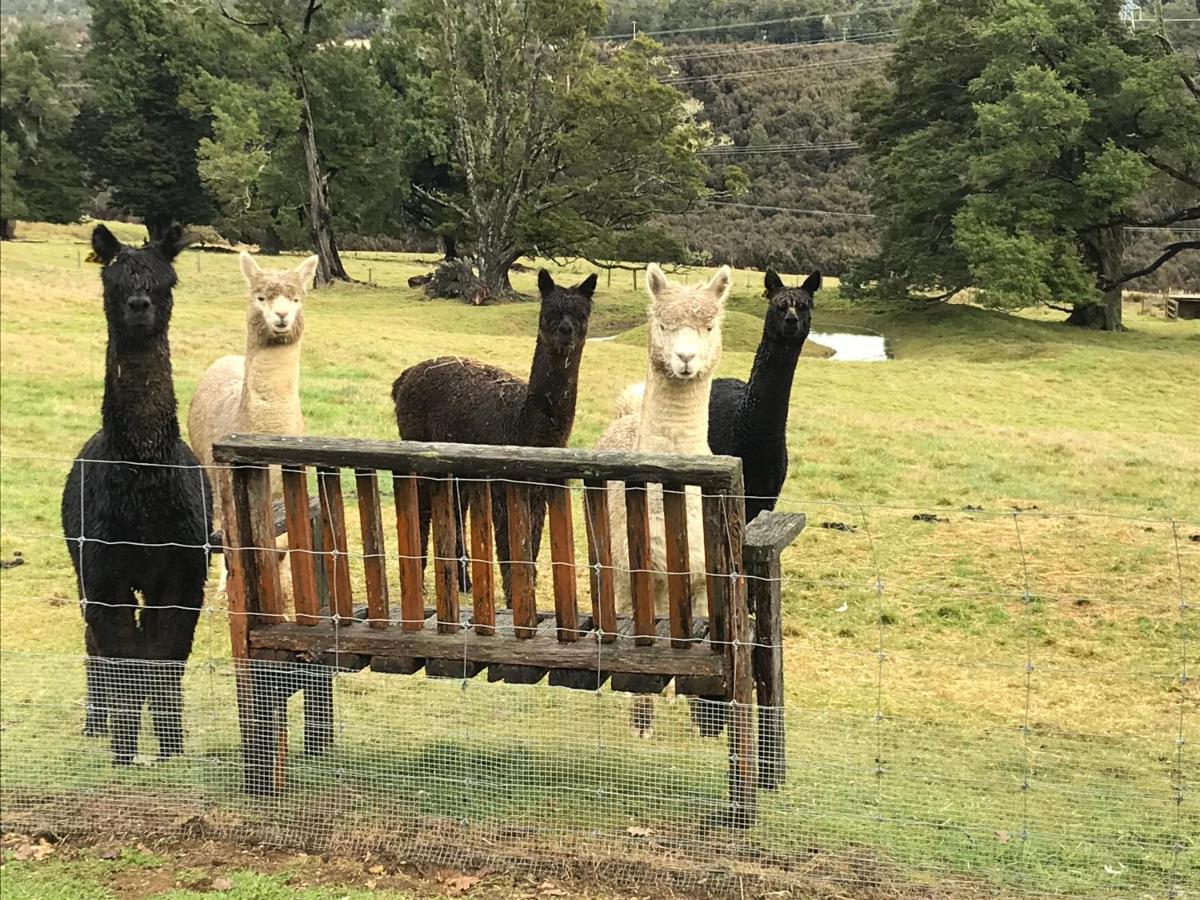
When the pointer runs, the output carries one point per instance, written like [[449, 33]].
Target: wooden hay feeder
[[734, 655]]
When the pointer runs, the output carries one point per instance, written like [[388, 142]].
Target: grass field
[[993, 697]]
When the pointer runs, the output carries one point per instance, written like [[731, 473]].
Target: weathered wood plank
[[374, 553], [302, 552], [763, 586], [479, 461], [445, 549], [483, 567], [600, 571], [410, 551], [562, 559], [525, 674], [542, 650], [337, 560], [770, 533], [640, 683], [520, 551], [679, 580], [718, 565], [641, 575]]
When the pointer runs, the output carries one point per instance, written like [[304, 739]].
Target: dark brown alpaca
[[468, 402]]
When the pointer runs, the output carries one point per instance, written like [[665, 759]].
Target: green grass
[[979, 408]]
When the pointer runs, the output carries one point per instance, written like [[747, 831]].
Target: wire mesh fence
[[992, 701]]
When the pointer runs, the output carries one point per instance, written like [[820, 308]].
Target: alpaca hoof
[[122, 760], [165, 753], [96, 728]]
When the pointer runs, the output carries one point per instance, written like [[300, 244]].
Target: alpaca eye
[[261, 299]]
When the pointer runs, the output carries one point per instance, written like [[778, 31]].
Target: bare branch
[[235, 20], [1179, 175], [1169, 252]]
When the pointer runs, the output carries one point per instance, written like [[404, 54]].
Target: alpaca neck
[[271, 389], [674, 415], [548, 412], [768, 395], [139, 409]]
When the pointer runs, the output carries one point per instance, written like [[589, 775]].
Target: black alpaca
[[468, 402], [750, 420], [137, 511]]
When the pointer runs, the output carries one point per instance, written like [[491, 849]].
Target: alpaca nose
[[138, 303], [685, 357], [565, 329]]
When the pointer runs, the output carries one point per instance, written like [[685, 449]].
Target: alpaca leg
[[110, 616], [96, 720], [500, 525], [168, 629], [424, 519], [641, 716]]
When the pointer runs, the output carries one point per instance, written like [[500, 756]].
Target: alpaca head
[[685, 324], [789, 310], [137, 286], [563, 321], [275, 314]]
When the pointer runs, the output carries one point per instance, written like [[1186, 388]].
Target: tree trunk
[[449, 247], [320, 220], [1107, 251], [8, 228], [493, 272]]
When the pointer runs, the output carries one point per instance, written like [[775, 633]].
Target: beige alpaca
[[672, 416], [258, 392]]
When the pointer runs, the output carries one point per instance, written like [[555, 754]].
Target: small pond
[[853, 347]]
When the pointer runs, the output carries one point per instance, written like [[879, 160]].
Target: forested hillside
[[782, 115]]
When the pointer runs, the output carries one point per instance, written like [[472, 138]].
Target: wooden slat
[[601, 575], [302, 556], [445, 550], [520, 551], [256, 494], [483, 569], [374, 554], [408, 546], [337, 560], [641, 576], [679, 579], [717, 565], [562, 556], [480, 461], [544, 650]]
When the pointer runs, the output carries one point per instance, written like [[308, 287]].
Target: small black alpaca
[[750, 420], [468, 402], [137, 511]]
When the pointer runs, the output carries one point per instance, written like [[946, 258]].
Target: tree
[[551, 148], [1014, 146], [254, 165], [138, 135], [40, 176], [296, 32]]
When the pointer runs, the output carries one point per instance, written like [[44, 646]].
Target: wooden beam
[[480, 461]]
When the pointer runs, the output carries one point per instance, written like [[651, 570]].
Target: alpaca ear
[[656, 281], [773, 283], [307, 270], [249, 267], [545, 282], [105, 243], [587, 287], [172, 243], [812, 283], [720, 283]]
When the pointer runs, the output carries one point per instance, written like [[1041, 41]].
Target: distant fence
[[977, 701]]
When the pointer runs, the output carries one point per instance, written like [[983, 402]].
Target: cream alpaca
[[672, 417], [258, 392]]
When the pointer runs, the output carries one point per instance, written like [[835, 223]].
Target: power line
[[775, 70], [770, 48], [783, 21], [790, 209]]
